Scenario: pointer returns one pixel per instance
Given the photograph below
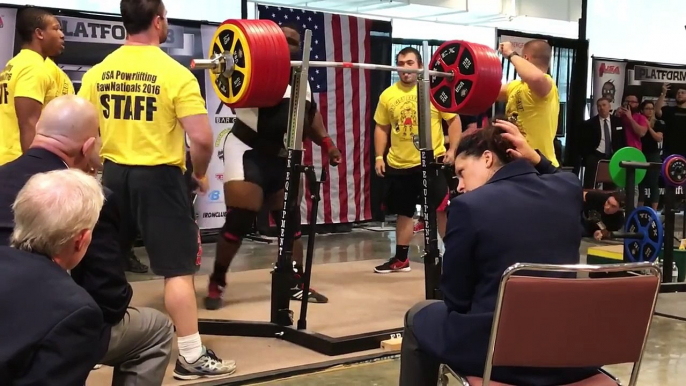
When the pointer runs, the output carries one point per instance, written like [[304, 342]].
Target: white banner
[[8, 17], [608, 81], [210, 208], [517, 42]]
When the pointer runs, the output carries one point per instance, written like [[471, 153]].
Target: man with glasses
[[634, 123]]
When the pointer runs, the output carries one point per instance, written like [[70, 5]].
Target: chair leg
[[619, 383], [443, 372]]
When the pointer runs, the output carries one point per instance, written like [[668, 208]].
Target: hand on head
[[521, 148]]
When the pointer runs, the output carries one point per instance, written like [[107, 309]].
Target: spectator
[[675, 121], [51, 328], [651, 150], [601, 137], [603, 213], [634, 123]]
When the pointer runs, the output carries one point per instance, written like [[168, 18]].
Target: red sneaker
[[393, 265], [213, 301]]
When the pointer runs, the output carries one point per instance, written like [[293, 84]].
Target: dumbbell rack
[[669, 200], [281, 316]]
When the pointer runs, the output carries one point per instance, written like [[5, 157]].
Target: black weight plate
[[436, 81], [462, 90], [444, 97], [449, 54], [466, 66]]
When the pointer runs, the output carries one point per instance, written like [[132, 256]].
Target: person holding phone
[[634, 123]]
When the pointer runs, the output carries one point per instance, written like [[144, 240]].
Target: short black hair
[[620, 196], [409, 50], [606, 99], [28, 20], [138, 15], [292, 25]]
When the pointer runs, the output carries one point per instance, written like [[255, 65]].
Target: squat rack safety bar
[[221, 64]]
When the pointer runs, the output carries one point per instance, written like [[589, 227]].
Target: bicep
[[542, 88], [28, 110]]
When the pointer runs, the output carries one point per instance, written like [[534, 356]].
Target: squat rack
[[281, 316]]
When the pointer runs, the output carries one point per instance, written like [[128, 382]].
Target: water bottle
[[675, 272]]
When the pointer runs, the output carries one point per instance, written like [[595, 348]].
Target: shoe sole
[[212, 306], [408, 269], [193, 376]]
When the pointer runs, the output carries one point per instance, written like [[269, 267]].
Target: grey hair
[[53, 208]]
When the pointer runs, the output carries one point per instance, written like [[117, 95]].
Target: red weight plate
[[257, 51], [256, 73], [278, 59], [484, 82], [273, 35], [442, 92], [281, 59]]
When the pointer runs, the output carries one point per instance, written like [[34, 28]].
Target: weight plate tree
[[618, 173], [643, 241]]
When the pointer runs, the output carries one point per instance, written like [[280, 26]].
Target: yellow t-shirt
[[142, 93], [63, 85], [24, 76], [398, 107], [537, 117]]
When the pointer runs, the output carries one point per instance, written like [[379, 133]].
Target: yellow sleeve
[[382, 116], [188, 100], [447, 116], [33, 82], [87, 90]]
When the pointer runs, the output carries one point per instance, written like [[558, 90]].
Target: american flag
[[344, 102]]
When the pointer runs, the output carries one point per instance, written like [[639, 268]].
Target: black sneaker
[[207, 366], [215, 291], [133, 264], [393, 265], [297, 289]]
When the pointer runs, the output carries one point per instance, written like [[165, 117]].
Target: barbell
[[249, 64]]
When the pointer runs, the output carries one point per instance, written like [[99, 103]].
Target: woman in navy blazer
[[516, 207]]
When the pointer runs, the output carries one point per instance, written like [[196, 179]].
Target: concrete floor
[[664, 360]]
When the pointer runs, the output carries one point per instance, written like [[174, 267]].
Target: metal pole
[[668, 246], [432, 263], [281, 313], [371, 66]]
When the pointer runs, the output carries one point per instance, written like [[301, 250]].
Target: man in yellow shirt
[[396, 117], [25, 83], [534, 99], [146, 101]]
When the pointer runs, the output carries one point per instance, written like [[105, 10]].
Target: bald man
[[135, 341], [533, 100]]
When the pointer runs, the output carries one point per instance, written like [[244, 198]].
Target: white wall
[[638, 29], [210, 10], [415, 29]]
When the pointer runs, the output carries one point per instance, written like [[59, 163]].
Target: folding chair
[[545, 322], [602, 175]]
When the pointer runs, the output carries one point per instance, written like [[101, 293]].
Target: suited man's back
[[50, 327], [518, 216], [527, 218]]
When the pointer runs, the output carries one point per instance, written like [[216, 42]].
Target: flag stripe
[[343, 98]]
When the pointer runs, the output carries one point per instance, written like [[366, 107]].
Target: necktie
[[608, 140]]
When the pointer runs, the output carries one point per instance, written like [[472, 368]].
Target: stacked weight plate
[[477, 78], [262, 63]]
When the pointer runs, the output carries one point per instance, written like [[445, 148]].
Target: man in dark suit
[[481, 243], [137, 340], [51, 329], [595, 145]]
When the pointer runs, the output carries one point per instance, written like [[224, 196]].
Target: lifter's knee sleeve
[[293, 219], [238, 223]]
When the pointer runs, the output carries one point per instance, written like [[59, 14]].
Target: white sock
[[190, 347]]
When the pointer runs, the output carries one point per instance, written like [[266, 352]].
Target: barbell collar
[[204, 64], [371, 66]]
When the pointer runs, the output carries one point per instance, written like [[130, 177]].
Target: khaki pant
[[140, 348]]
